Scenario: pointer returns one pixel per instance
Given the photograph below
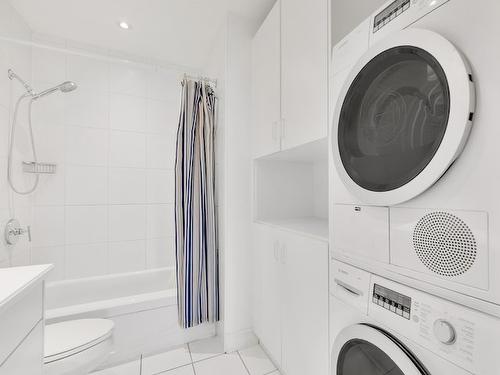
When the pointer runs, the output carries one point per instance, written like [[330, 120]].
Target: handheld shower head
[[67, 86]]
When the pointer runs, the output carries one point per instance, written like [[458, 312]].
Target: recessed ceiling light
[[124, 25]]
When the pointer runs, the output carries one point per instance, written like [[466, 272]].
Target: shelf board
[[308, 226]]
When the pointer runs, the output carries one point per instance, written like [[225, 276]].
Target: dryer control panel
[[454, 332]]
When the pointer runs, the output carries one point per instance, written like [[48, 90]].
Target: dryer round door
[[363, 349], [402, 117]]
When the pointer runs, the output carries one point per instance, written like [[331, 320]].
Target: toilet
[[77, 347]]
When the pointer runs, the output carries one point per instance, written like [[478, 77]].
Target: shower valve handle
[[13, 231]]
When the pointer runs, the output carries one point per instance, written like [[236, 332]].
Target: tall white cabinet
[[290, 186], [290, 76]]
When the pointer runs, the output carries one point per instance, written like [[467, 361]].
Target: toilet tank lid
[[70, 337]]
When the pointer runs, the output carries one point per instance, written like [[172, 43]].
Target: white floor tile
[[166, 361], [185, 370], [227, 364], [256, 361], [130, 368], [207, 348]]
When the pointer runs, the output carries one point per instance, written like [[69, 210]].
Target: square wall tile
[[50, 190], [48, 226], [165, 84], [86, 260], [86, 146], [161, 186], [50, 142], [128, 79], [47, 112], [161, 152], [87, 107], [161, 220], [87, 72], [127, 150], [172, 359], [162, 117], [127, 186], [160, 252], [127, 113], [126, 256], [49, 66], [86, 185], [86, 224], [127, 222], [50, 255]]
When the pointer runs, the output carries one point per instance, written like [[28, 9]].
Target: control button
[[393, 308], [444, 332], [399, 311], [406, 315]]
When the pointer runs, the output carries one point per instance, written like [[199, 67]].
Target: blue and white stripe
[[197, 258]]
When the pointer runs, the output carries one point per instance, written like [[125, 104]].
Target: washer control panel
[[454, 332], [391, 300], [389, 13]]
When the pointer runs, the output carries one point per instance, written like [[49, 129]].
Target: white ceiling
[[177, 31]]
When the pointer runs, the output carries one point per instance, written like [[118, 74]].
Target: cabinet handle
[[282, 129], [276, 250], [275, 130], [283, 254]]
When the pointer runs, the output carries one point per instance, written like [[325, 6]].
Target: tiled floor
[[204, 357]]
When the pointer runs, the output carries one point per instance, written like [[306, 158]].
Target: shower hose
[[11, 146]]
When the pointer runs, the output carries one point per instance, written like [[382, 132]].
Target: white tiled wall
[[18, 57], [109, 208]]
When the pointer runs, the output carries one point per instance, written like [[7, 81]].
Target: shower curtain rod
[[201, 78]]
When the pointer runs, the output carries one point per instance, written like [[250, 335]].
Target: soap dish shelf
[[39, 168]]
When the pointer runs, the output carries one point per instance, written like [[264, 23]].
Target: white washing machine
[[379, 327], [414, 147]]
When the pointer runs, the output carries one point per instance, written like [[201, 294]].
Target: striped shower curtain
[[195, 216]]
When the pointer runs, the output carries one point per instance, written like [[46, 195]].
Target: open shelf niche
[[291, 189]]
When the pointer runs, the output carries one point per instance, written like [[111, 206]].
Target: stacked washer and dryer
[[415, 198]]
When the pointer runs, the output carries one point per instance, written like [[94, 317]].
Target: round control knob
[[444, 332]]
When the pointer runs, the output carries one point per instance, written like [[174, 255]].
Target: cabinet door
[[266, 91], [267, 293], [305, 306], [27, 359], [304, 31]]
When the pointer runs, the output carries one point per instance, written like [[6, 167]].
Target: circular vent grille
[[445, 244]]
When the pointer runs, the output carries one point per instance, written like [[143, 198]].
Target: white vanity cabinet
[[290, 77], [21, 320], [291, 299]]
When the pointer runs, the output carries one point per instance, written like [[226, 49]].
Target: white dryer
[[414, 147], [379, 327]]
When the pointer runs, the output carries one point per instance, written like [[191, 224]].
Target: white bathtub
[[143, 306]]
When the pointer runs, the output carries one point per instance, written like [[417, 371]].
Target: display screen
[[389, 13], [393, 301]]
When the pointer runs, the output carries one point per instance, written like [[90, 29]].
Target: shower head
[[67, 86]]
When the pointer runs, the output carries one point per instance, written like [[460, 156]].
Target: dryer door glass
[[393, 118], [359, 357]]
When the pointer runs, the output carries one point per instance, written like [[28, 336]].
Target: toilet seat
[[68, 338]]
